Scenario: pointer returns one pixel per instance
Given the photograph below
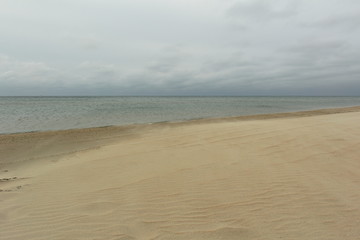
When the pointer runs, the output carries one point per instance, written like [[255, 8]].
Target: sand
[[279, 176]]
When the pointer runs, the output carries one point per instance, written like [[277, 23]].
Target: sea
[[28, 114]]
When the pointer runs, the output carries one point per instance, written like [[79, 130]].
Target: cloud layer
[[158, 47]]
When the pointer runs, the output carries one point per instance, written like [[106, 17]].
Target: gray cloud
[[341, 22], [261, 10], [198, 47]]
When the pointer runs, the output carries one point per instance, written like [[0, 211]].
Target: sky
[[180, 47]]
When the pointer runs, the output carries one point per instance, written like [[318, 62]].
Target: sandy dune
[[282, 176]]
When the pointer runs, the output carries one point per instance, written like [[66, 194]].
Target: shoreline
[[279, 115], [59, 143]]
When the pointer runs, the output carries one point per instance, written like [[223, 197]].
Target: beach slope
[[280, 176]]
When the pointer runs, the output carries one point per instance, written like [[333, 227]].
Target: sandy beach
[[276, 176]]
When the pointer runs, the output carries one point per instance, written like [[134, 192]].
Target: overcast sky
[[180, 47]]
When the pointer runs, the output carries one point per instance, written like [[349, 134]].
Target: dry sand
[[280, 176]]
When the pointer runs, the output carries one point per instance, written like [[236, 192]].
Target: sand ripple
[[292, 178]]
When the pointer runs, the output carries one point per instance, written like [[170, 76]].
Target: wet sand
[[288, 175]]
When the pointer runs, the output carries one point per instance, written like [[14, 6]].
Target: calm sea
[[24, 114]]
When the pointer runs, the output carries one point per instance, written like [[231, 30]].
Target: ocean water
[[24, 114]]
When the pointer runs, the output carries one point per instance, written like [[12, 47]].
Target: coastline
[[270, 176], [51, 114], [73, 140], [291, 114]]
